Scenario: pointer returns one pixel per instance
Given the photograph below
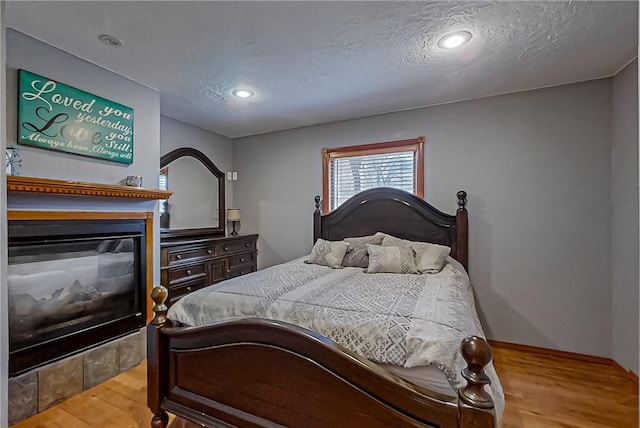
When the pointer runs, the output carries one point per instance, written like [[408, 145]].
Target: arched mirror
[[197, 203]]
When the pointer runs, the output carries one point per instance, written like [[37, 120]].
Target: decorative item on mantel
[[233, 221], [14, 161], [133, 180]]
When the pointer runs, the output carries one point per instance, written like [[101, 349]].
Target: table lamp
[[233, 220]]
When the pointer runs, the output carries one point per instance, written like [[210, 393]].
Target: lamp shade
[[233, 214]]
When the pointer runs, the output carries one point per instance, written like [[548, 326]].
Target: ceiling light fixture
[[453, 40], [110, 40], [243, 93]]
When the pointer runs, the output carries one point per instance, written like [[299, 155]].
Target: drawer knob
[[241, 260], [226, 248], [188, 271], [178, 257], [228, 271], [246, 245], [209, 252], [189, 289]]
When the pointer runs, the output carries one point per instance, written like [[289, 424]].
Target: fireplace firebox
[[73, 285]]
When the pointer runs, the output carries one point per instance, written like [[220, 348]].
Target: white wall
[[537, 168], [624, 223], [175, 134]]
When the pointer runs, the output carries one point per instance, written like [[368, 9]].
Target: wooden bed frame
[[265, 373]]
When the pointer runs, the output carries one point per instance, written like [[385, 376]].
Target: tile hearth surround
[[44, 387]]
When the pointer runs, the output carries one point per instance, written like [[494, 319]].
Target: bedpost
[[462, 232], [317, 214], [157, 355], [476, 405]]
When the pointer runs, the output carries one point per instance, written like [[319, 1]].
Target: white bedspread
[[401, 319]]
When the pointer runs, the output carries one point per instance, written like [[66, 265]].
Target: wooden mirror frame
[[197, 154]]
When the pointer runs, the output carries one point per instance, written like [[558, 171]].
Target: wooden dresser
[[193, 262]]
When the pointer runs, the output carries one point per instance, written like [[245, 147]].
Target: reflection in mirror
[[198, 193], [190, 181]]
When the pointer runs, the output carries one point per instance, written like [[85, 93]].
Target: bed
[[248, 372]]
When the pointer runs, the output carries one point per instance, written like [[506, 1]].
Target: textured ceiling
[[317, 62]]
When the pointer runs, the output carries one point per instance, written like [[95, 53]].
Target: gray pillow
[[391, 259], [357, 255], [429, 258], [328, 253]]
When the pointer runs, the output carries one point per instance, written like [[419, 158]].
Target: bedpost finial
[[462, 199], [477, 353], [318, 200], [159, 295]]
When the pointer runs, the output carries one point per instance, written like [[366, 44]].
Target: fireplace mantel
[[19, 184]]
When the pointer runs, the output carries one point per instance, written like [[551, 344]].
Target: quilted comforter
[[401, 319]]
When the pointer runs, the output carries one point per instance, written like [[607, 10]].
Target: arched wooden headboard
[[397, 213]]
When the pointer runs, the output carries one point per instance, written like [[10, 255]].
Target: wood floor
[[541, 391], [547, 391]]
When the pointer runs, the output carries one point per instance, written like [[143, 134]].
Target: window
[[163, 184], [350, 170]]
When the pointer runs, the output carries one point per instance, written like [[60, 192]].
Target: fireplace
[[73, 285]]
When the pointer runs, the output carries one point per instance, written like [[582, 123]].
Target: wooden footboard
[[264, 373]]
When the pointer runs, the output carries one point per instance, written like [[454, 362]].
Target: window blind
[[162, 185], [351, 175]]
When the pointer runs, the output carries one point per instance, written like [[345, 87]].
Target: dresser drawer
[[176, 292], [241, 259], [236, 246], [185, 273], [241, 271], [185, 254]]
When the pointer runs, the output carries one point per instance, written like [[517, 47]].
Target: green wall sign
[[55, 116]]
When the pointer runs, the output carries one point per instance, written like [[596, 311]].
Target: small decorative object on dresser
[[14, 161], [233, 221], [190, 262]]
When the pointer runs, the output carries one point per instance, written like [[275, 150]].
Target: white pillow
[[328, 253], [429, 258], [391, 259]]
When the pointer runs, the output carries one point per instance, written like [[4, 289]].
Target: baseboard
[[551, 352], [626, 373], [570, 355]]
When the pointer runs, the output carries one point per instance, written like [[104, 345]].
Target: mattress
[[403, 320], [429, 377]]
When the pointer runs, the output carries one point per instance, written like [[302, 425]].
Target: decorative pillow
[[429, 258], [391, 259], [328, 253], [357, 255]]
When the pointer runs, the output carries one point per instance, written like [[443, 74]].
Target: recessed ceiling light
[[243, 93], [453, 40], [110, 40]]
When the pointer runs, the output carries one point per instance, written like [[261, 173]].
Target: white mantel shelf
[[19, 184]]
